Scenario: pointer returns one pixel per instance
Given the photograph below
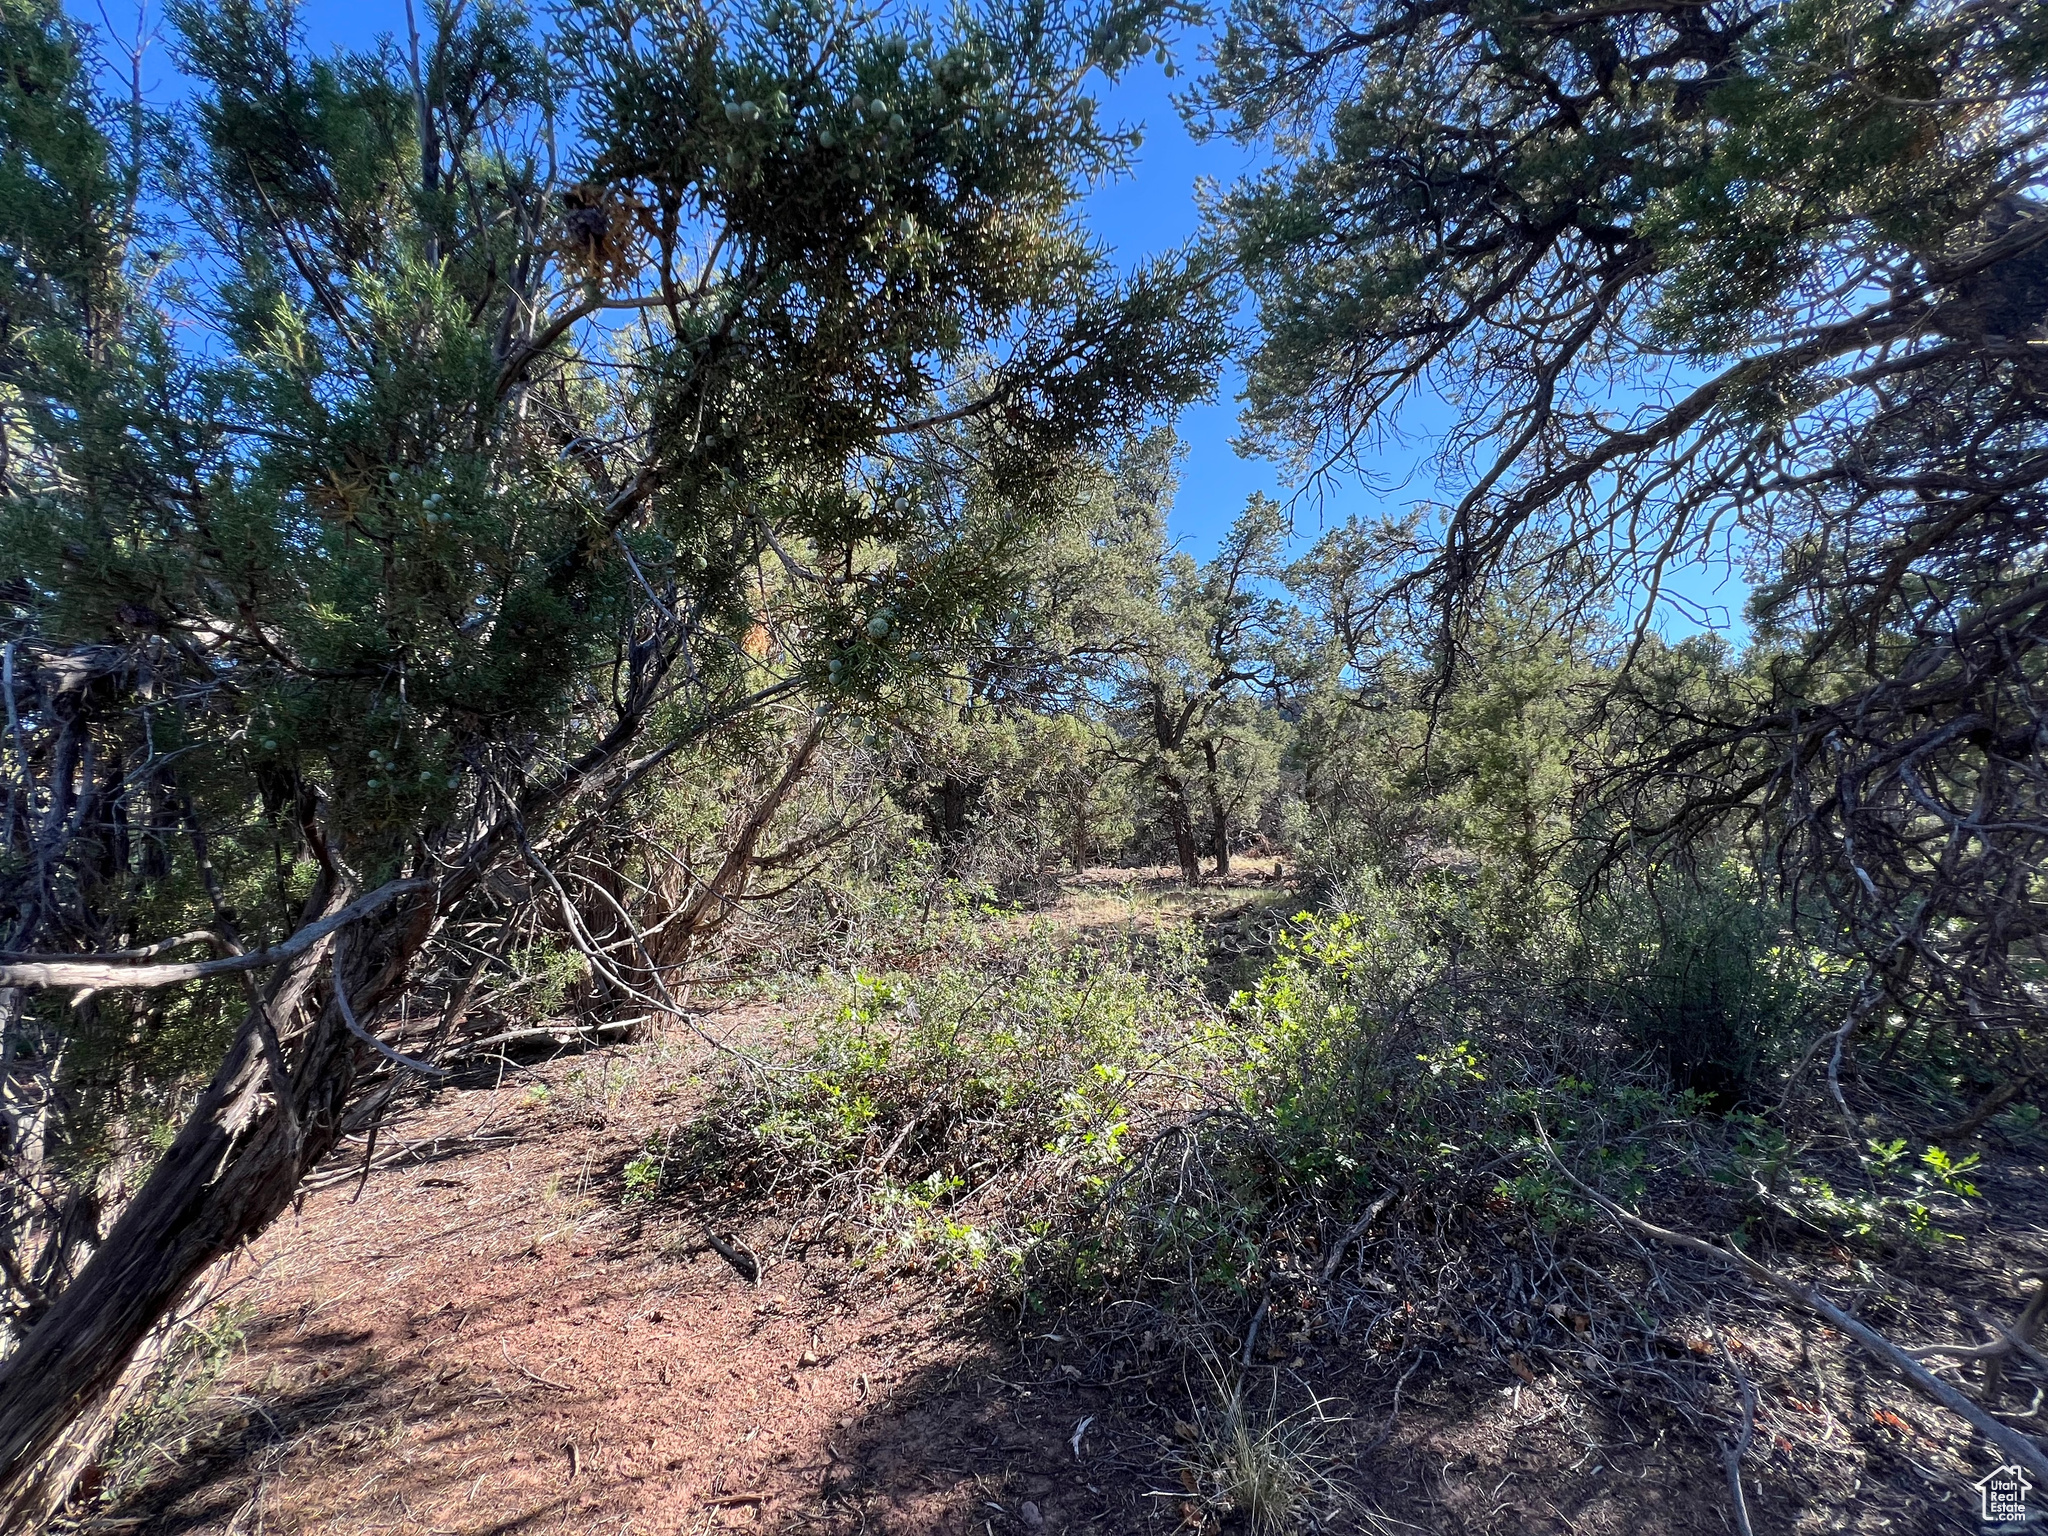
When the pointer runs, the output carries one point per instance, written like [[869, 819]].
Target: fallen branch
[[531, 1375], [1732, 1454], [565, 1034], [2016, 1447], [103, 973], [1357, 1230]]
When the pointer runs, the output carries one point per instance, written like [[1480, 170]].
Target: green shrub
[[1396, 1048], [1708, 977], [949, 1118]]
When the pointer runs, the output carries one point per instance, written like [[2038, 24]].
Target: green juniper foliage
[[1758, 281], [491, 417], [557, 507], [527, 378]]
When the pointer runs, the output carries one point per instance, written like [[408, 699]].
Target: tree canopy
[[408, 451], [1763, 283], [549, 499]]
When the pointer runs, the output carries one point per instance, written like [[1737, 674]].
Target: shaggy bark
[[273, 1111], [1219, 813], [1180, 822]]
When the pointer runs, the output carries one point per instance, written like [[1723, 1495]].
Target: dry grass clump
[[1272, 1473], [179, 1405]]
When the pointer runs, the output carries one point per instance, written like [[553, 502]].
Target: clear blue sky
[[1155, 210], [1150, 211]]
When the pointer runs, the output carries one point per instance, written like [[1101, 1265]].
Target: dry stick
[[2022, 1335], [410, 1063], [1357, 1230], [2017, 1448], [1733, 1454], [91, 971], [531, 1375]]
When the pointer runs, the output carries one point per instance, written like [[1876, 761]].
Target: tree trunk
[[951, 823], [1219, 814], [1182, 824], [255, 1132], [713, 904]]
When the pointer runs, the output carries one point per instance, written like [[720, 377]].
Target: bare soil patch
[[487, 1336]]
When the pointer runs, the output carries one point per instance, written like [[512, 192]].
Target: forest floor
[[484, 1336]]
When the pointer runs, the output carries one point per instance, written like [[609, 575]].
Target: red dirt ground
[[490, 1341], [487, 1343]]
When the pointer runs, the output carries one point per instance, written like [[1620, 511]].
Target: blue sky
[[1150, 211], [1155, 210]]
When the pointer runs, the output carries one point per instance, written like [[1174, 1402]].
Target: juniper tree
[[488, 418], [1761, 280]]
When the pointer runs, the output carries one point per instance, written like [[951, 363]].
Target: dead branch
[[2016, 1447], [99, 973], [1733, 1453], [396, 1058], [1357, 1230]]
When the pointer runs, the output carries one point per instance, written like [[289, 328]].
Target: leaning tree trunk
[[714, 903], [234, 1167]]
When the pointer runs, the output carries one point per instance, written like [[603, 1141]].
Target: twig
[[1357, 1230], [740, 1257], [2017, 1447], [531, 1375], [1733, 1454]]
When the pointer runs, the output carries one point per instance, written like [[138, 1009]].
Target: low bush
[[949, 1120], [1707, 977], [1353, 1146]]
